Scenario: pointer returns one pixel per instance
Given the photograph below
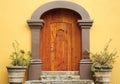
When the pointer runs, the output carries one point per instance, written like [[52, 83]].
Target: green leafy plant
[[103, 59], [19, 56]]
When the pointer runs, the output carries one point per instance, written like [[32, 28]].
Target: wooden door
[[60, 41]]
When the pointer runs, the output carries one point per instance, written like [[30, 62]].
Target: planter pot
[[16, 74], [102, 76]]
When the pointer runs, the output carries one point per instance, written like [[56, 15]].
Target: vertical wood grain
[[60, 41]]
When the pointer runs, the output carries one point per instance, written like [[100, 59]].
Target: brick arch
[[36, 24]]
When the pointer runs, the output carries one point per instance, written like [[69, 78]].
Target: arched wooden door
[[60, 41]]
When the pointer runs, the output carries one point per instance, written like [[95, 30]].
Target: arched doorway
[[36, 24], [60, 41]]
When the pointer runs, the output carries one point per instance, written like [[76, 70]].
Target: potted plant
[[103, 64], [20, 60]]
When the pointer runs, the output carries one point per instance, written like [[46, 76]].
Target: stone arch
[[60, 4], [36, 24]]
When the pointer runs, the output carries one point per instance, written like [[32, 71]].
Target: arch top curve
[[60, 4]]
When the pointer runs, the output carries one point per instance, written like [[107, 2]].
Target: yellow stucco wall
[[13, 26]]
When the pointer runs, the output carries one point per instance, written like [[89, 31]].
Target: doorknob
[[51, 48]]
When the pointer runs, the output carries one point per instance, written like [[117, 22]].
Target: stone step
[[60, 72], [60, 82], [60, 77]]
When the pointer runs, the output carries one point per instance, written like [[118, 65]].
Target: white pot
[[16, 74], [102, 76]]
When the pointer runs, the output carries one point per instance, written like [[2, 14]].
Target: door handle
[[51, 48]]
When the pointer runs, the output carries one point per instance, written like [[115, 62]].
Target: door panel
[[60, 41], [60, 46]]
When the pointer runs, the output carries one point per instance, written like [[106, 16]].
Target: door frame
[[36, 23]]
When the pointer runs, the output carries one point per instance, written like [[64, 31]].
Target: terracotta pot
[[16, 74]]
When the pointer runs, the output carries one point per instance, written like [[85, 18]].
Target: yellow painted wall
[[13, 26]]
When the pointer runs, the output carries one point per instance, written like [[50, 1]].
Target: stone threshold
[[60, 72]]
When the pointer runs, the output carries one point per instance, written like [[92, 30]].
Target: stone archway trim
[[60, 4], [36, 24]]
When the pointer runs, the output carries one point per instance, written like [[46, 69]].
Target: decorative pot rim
[[103, 67], [21, 67]]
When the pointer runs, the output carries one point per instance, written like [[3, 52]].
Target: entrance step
[[60, 82], [60, 75], [60, 72]]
